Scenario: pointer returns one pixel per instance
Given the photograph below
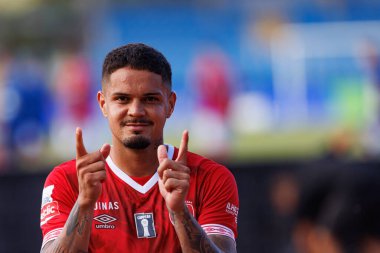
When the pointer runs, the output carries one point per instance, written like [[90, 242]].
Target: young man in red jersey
[[138, 195]]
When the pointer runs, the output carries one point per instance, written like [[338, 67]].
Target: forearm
[[75, 236], [191, 236]]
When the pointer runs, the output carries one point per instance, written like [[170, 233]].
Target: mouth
[[137, 129], [137, 125]]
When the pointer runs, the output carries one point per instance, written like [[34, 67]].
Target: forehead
[[132, 79]]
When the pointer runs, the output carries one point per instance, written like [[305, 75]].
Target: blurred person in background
[[71, 93], [342, 214], [369, 50], [315, 186], [27, 111], [138, 195], [4, 155], [211, 77], [350, 220], [284, 197]]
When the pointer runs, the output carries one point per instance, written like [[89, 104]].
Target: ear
[[102, 103], [172, 100]]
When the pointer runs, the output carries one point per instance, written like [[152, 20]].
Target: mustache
[[136, 121]]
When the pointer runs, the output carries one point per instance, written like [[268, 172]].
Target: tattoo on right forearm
[[76, 226], [74, 221]]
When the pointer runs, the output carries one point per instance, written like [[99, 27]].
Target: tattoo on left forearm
[[172, 217], [197, 237]]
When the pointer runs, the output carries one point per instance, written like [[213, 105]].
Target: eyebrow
[[153, 94], [145, 94]]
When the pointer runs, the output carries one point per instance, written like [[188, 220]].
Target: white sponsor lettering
[[106, 206], [46, 194], [144, 216], [48, 211], [104, 226], [232, 209]]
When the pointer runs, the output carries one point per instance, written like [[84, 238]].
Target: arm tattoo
[[197, 237], [76, 226], [74, 221], [171, 213], [58, 248]]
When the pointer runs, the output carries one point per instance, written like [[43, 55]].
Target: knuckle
[[79, 163], [96, 156], [86, 178], [169, 181], [100, 164], [103, 175], [185, 184], [167, 173], [167, 163]]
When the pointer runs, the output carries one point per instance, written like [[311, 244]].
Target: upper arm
[[45, 248], [219, 203], [224, 243], [57, 202]]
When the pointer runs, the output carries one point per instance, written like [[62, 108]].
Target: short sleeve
[[220, 203], [58, 198]]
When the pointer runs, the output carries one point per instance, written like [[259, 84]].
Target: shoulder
[[66, 169], [208, 167]]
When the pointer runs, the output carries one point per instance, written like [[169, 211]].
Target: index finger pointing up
[[182, 153], [81, 150]]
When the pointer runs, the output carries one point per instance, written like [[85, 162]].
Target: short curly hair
[[137, 56]]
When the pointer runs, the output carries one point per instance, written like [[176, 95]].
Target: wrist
[[85, 203], [177, 214], [180, 210]]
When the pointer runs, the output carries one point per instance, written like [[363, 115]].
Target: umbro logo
[[104, 219]]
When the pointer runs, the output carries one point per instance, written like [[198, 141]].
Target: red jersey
[[134, 218]]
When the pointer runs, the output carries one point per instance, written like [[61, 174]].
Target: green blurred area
[[303, 144]]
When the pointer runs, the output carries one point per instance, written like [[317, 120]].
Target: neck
[[134, 162]]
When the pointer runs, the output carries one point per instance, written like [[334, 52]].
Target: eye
[[122, 99], [151, 99]]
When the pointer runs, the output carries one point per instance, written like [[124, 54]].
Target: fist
[[91, 170]]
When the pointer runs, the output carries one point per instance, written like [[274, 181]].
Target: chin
[[137, 142]]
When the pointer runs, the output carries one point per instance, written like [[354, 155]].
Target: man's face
[[136, 103]]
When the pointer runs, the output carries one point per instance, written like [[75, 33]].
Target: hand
[[91, 170], [174, 176]]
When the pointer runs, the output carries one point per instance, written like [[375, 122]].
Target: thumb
[[105, 150], [162, 153]]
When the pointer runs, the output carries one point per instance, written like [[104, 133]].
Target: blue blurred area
[[290, 67], [178, 32], [284, 92]]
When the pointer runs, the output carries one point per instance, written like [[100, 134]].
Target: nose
[[136, 109]]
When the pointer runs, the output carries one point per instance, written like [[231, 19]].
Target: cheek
[[116, 113], [161, 115]]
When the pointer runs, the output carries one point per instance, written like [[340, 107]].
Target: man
[[138, 195]]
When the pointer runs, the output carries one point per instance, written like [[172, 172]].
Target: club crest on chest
[[145, 225]]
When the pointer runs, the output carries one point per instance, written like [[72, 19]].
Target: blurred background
[[276, 90]]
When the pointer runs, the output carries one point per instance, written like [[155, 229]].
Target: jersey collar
[[132, 183]]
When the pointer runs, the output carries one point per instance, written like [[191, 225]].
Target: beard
[[136, 142]]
